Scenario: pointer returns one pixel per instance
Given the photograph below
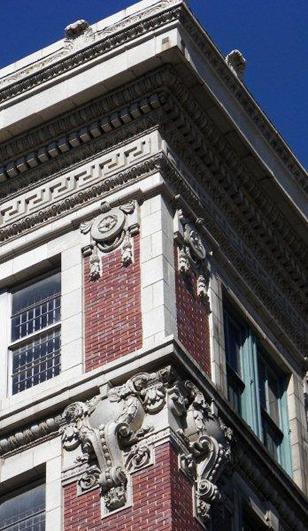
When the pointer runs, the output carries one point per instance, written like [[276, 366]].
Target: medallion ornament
[[111, 229]]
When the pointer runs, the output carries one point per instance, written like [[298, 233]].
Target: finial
[[237, 62], [74, 30]]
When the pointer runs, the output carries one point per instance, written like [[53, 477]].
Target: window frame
[[21, 490], [235, 374], [12, 346], [250, 410]]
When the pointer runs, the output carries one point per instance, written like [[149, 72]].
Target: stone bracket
[[114, 438]]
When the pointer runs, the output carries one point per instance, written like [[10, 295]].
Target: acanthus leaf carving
[[209, 443], [89, 478], [105, 434], [138, 457], [113, 440]]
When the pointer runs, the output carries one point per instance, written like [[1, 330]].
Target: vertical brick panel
[[112, 309], [181, 496], [192, 318], [162, 501]]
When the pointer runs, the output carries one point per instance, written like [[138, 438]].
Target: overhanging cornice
[[164, 102], [156, 16]]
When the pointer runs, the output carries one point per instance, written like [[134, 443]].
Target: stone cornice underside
[[164, 102], [152, 18], [231, 245]]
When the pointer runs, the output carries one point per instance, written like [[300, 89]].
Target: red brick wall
[[192, 318], [162, 501], [112, 309]]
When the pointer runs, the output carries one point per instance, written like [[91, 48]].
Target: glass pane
[[36, 361], [234, 342], [262, 382], [36, 292], [271, 437], [24, 510], [273, 397], [36, 306], [235, 389]]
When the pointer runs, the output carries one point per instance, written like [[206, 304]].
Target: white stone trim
[[53, 230], [48, 453], [158, 300], [298, 431], [68, 247], [217, 338]]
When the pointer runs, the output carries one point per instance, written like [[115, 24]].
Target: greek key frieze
[[74, 181]]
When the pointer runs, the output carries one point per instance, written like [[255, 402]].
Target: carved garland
[[112, 438], [113, 228]]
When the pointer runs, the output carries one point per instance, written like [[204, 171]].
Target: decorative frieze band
[[81, 136], [151, 18], [232, 246], [75, 181], [29, 435]]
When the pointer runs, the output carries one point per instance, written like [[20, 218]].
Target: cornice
[[141, 23], [121, 33], [242, 258], [71, 130], [242, 95], [224, 177], [216, 164]]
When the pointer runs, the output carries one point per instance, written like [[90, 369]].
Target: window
[[256, 387], [250, 520], [35, 332], [234, 339], [23, 510]]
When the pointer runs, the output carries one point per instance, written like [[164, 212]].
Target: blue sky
[[272, 35]]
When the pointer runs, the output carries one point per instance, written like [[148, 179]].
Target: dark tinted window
[[23, 510]]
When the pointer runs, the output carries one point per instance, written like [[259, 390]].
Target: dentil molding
[[139, 24]]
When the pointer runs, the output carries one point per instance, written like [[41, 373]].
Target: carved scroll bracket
[[192, 254], [113, 228], [209, 449], [114, 436]]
